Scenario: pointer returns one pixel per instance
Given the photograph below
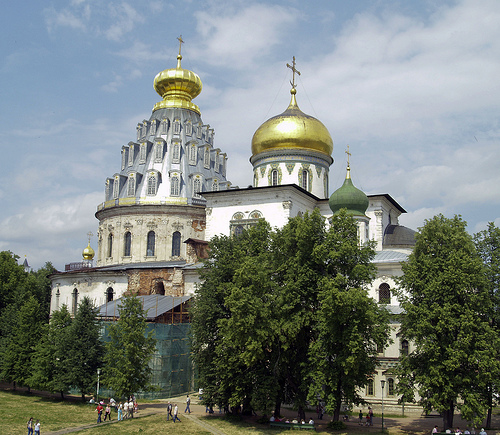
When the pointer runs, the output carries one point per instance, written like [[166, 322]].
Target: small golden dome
[[88, 253], [177, 87], [292, 129]]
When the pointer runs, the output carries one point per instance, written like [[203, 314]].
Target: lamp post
[[98, 373], [382, 384]]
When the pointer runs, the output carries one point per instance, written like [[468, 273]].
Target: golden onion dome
[[293, 129], [88, 253], [177, 87]]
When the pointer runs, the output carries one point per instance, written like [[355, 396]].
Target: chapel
[[169, 196]]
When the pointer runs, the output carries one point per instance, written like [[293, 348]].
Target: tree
[[86, 350], [129, 351], [445, 299], [488, 246], [51, 368], [258, 312], [18, 355], [351, 326]]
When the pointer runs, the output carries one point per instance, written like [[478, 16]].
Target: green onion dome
[[349, 197]]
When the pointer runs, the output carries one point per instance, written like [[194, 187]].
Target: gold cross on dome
[[348, 155], [89, 235], [294, 70], [180, 43]]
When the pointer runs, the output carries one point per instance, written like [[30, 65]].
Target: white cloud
[[235, 37]]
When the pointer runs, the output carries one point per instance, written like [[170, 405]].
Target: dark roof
[[397, 235], [155, 305]]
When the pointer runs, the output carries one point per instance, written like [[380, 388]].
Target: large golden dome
[[292, 129]]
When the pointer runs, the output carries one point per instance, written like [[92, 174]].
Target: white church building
[[169, 196]]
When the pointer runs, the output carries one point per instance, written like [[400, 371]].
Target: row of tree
[[284, 316], [65, 352]]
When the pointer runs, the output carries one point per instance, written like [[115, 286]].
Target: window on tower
[[131, 185], [274, 177], [206, 158], [384, 294], [110, 245], [176, 244], [192, 154], [152, 184], [197, 187], [305, 181], [176, 152], [127, 244], [150, 249], [215, 185], [174, 185]]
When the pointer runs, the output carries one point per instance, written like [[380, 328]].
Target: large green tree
[[19, 352], [86, 350], [350, 324], [445, 297], [257, 312], [52, 369], [488, 246], [129, 351]]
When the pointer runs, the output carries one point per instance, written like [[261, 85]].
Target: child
[[367, 420], [360, 416]]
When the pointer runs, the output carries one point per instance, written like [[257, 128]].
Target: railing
[[78, 266]]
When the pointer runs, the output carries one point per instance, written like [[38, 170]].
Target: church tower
[[154, 203], [292, 148]]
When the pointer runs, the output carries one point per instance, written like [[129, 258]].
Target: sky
[[412, 87]]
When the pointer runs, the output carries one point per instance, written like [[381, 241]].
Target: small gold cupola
[[177, 86]]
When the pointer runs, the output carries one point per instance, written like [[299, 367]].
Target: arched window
[[192, 154], [404, 347], [176, 244], [75, 301], [159, 151], [370, 388], [197, 187], [274, 177], [109, 294], [390, 387], [150, 249], [238, 230], [127, 244], [384, 293], [206, 158], [116, 188], [152, 184], [215, 185], [305, 176], [110, 245], [176, 152], [131, 185], [174, 186]]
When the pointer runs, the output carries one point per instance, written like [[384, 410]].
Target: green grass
[[56, 414]]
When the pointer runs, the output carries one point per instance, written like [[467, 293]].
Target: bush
[[336, 425]]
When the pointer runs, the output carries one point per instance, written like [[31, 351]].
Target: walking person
[[30, 426], [370, 413], [125, 409], [188, 402], [169, 411], [107, 413], [37, 427], [131, 407], [99, 410], [120, 411], [176, 413]]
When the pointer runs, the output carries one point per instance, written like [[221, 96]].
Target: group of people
[[33, 427], [173, 408], [287, 420], [124, 410], [458, 431], [368, 419]]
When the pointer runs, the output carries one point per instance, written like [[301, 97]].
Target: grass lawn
[[56, 414]]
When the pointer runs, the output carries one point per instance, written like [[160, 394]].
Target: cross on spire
[[89, 235], [348, 155], [294, 70], [181, 41]]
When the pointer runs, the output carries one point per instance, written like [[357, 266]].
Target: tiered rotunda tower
[[154, 203]]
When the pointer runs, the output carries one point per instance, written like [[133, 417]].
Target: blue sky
[[411, 87]]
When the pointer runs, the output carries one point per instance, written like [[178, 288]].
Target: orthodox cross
[[89, 235], [180, 43], [294, 70], [348, 155]]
